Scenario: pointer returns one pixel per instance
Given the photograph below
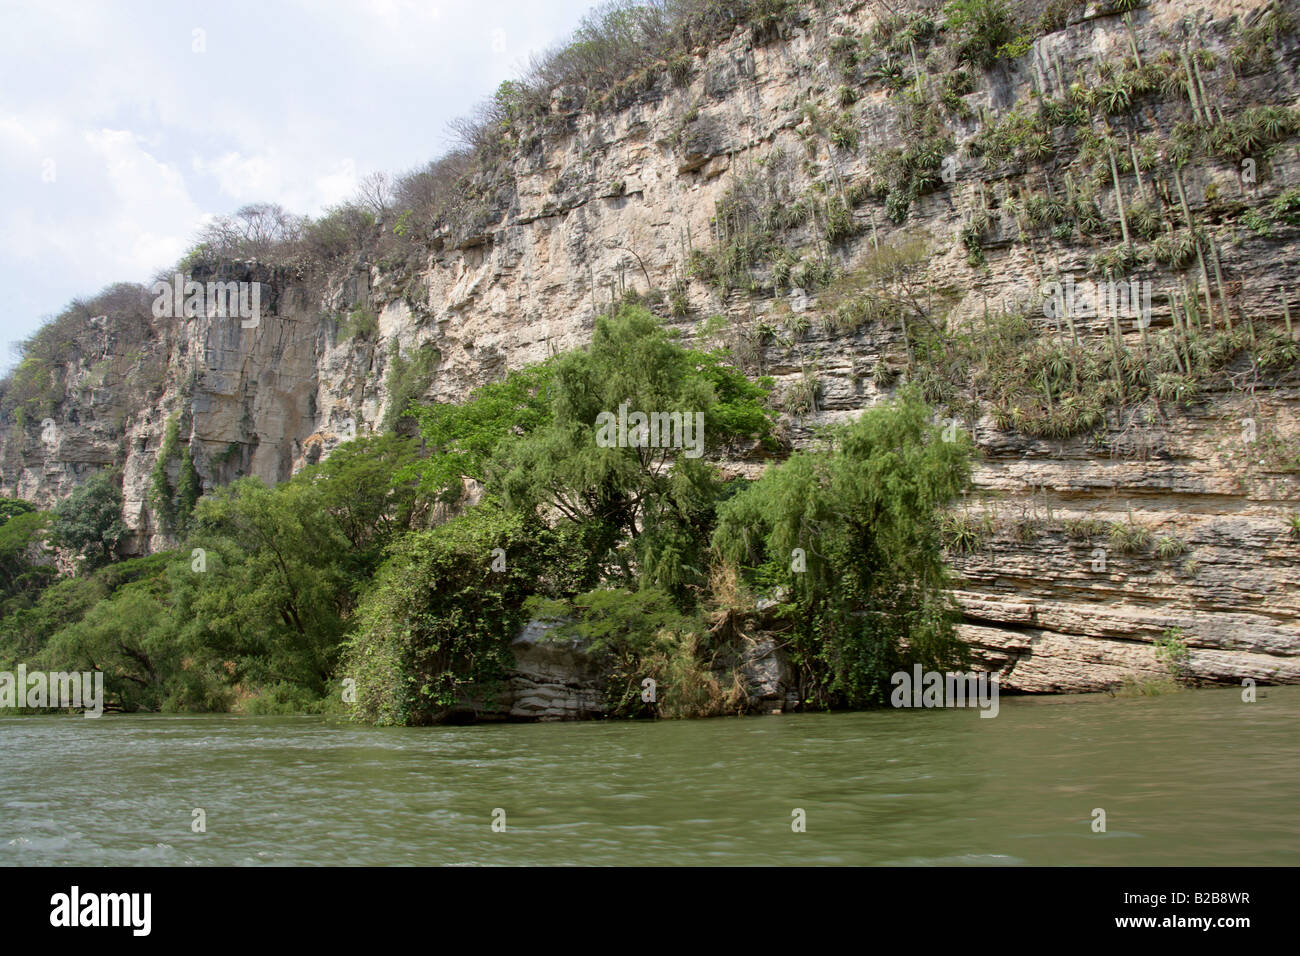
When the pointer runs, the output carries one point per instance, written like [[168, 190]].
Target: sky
[[125, 126]]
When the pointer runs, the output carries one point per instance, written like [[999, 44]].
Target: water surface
[[1190, 778]]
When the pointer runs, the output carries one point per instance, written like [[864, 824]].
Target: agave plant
[[926, 156], [1088, 216], [1076, 116], [1085, 528], [1106, 391], [1169, 387], [1115, 96], [1172, 81], [1277, 121], [1058, 365], [1244, 56], [1168, 547], [964, 533], [844, 137], [1035, 209], [1134, 372], [1129, 538], [1278, 352], [1146, 219], [1038, 146], [1176, 249], [1167, 358], [1146, 79], [1179, 151], [1242, 137], [888, 71]]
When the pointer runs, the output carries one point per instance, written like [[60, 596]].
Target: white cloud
[[292, 103], [18, 135], [242, 178], [153, 217], [338, 184]]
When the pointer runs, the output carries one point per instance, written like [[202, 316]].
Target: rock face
[[558, 678], [555, 679], [615, 201]]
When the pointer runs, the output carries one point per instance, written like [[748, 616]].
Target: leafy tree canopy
[[89, 520], [851, 534]]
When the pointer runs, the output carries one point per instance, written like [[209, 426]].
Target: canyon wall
[[612, 202]]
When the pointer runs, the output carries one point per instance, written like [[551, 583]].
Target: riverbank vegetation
[[396, 573]]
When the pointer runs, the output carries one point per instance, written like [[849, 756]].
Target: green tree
[[461, 438], [659, 497], [132, 634], [26, 569], [283, 567], [852, 536], [89, 520], [369, 492], [13, 507], [434, 631], [274, 592], [25, 630]]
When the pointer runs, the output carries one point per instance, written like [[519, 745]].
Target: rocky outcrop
[[554, 678], [558, 678], [608, 203]]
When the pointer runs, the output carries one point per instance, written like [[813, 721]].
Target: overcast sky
[[123, 125]]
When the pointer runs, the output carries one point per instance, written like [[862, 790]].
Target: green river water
[[1188, 778]]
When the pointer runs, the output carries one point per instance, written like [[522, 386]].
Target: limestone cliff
[[650, 190]]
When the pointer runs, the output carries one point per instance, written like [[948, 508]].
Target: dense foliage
[[395, 574], [25, 566], [852, 535], [89, 520]]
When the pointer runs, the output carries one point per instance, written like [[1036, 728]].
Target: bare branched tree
[[256, 231], [375, 192]]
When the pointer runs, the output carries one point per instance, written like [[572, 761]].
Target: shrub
[[800, 397], [1129, 537], [1171, 650], [25, 566], [161, 493], [839, 222], [844, 135], [409, 376], [1286, 207], [1085, 529], [361, 323], [642, 635], [435, 629], [986, 30]]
